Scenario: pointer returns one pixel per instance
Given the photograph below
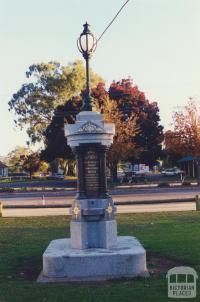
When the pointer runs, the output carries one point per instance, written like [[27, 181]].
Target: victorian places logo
[[182, 282]]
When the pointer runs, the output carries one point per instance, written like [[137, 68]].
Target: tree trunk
[[65, 165], [198, 171], [113, 172], [71, 166], [54, 166]]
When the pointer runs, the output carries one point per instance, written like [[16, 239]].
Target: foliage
[[123, 146], [57, 152], [32, 163], [184, 139], [138, 133], [15, 158], [24, 159], [169, 157], [130, 100], [51, 84]]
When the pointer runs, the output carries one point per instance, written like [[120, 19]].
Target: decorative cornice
[[90, 127]]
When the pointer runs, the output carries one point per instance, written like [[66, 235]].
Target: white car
[[172, 172]]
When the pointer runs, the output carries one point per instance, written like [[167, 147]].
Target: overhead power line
[[112, 20]]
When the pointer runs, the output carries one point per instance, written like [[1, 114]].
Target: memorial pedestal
[[94, 251], [62, 263]]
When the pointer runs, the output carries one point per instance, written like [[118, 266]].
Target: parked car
[[172, 172], [133, 177]]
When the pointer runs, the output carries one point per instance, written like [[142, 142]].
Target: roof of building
[[186, 158]]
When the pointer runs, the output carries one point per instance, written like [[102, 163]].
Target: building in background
[[3, 170]]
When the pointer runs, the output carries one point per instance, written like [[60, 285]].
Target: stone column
[[93, 223]]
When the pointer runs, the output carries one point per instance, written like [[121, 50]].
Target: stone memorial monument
[[94, 251]]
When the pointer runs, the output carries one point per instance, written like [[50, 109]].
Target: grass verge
[[171, 238]]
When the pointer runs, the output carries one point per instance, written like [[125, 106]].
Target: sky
[[155, 42]]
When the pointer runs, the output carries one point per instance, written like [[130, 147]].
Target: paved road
[[120, 209], [119, 195]]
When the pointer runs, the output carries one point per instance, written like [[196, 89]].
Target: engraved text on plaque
[[91, 173]]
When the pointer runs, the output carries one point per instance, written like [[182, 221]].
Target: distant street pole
[[87, 45]]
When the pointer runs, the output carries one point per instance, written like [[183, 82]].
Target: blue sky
[[156, 42]]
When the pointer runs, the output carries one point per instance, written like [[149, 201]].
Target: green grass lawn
[[169, 238]]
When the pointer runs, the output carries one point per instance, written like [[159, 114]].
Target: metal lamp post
[[87, 44], [93, 251]]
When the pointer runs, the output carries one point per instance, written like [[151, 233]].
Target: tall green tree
[[50, 85], [32, 163], [138, 132], [56, 143], [16, 157], [56, 149]]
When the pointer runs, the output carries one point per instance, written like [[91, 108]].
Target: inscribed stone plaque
[[91, 173]]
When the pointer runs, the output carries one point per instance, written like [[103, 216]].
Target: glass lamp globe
[[86, 42]]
